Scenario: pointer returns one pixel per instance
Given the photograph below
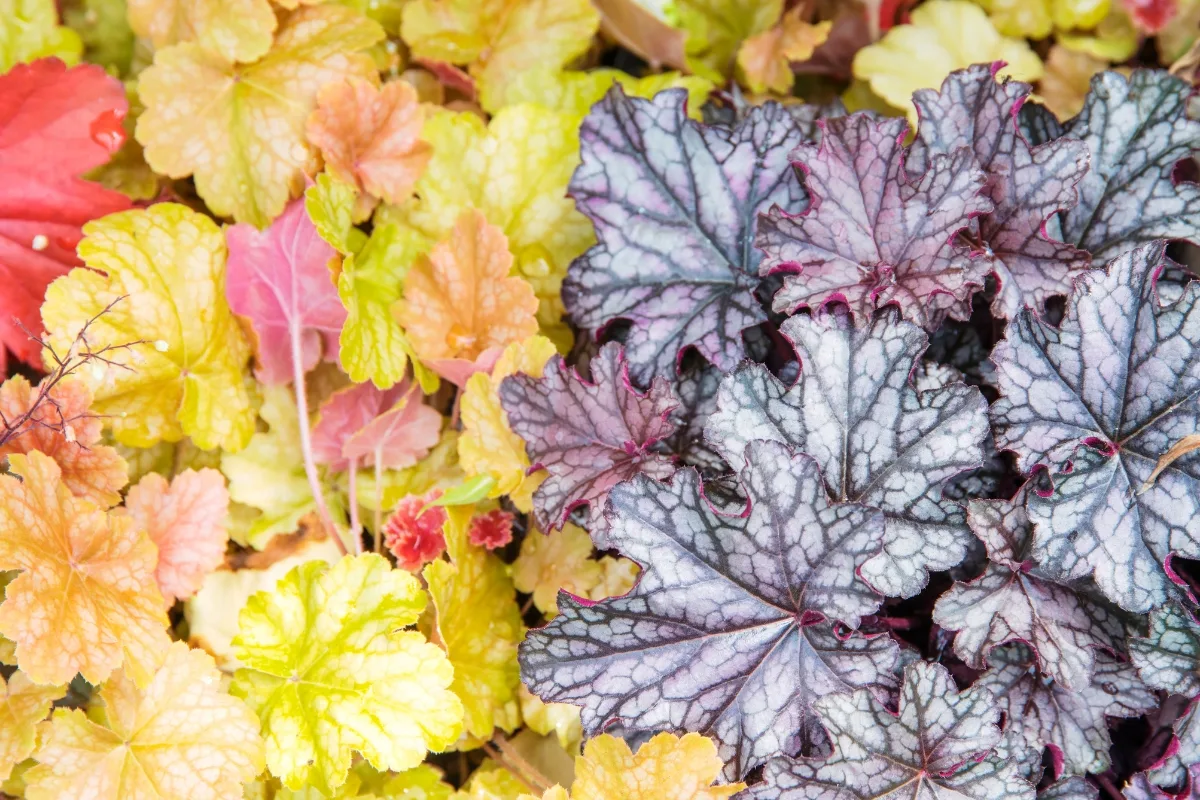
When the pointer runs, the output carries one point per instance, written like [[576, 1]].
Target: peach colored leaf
[[370, 137], [766, 58], [280, 281], [64, 429], [86, 600], [186, 520], [637, 29], [181, 737], [460, 307]]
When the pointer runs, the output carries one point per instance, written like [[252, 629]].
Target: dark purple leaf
[[587, 436], [1013, 602], [1098, 400], [1169, 659], [1028, 185], [938, 747], [871, 237], [878, 440], [729, 630], [1041, 713], [674, 203]]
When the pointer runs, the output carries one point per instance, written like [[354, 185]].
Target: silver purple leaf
[[1028, 185], [1137, 130], [1169, 657], [1038, 124], [1074, 788], [729, 630], [1097, 400], [878, 440], [1041, 713], [1140, 788], [588, 436], [1012, 601], [674, 204], [871, 236], [937, 748]]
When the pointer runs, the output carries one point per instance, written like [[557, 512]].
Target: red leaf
[[55, 124]]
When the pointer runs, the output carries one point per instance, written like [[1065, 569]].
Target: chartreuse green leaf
[[479, 624], [330, 205], [515, 170], [181, 369], [373, 345], [29, 30], [574, 93], [330, 672]]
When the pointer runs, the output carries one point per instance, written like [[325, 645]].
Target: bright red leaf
[[55, 124]]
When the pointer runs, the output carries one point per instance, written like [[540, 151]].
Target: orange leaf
[[641, 32], [86, 600], [766, 59], [460, 307], [186, 520], [370, 137], [62, 429]]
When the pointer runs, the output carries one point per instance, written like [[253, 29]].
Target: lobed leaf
[[873, 236], [587, 436], [1097, 400], [730, 629], [879, 441], [674, 204]]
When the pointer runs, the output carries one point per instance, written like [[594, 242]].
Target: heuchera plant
[[540, 400], [1060, 490]]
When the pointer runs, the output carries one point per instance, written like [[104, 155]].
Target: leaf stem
[[378, 531], [512, 754], [310, 464], [520, 769], [355, 521]]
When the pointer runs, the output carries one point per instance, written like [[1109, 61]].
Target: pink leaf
[[186, 520], [279, 279], [366, 423]]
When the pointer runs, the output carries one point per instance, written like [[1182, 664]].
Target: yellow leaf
[[574, 93], [488, 445], [1021, 19], [944, 35], [236, 30], [1079, 14], [23, 704], [479, 624], [491, 782], [64, 428], [1067, 80], [716, 29], [373, 346], [86, 600], [766, 59], [499, 40], [1115, 39], [617, 577], [239, 128], [665, 768], [163, 270], [330, 670], [515, 170], [269, 473], [370, 137], [330, 203], [556, 560], [560, 719], [29, 30], [460, 307], [180, 738]]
